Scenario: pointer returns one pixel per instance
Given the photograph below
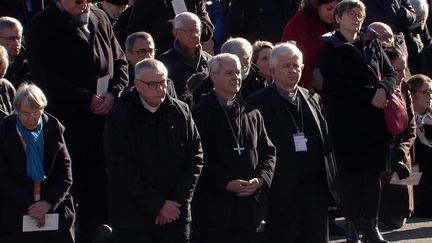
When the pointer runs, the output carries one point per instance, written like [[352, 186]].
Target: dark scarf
[[35, 150]]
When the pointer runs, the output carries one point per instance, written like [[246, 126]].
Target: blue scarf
[[35, 150]]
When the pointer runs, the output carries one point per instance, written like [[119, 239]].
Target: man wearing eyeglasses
[[154, 159], [10, 37], [140, 45], [186, 57], [77, 61]]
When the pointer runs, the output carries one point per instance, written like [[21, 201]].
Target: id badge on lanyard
[[299, 142]]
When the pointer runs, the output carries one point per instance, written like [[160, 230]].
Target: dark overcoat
[[351, 78], [214, 206], [17, 188], [141, 180]]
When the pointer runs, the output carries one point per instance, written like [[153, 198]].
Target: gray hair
[[9, 22], [421, 8], [237, 46], [284, 49], [130, 41], [149, 63], [215, 63], [180, 18], [4, 58], [30, 96]]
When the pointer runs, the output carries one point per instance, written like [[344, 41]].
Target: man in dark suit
[[304, 183], [77, 61], [239, 158]]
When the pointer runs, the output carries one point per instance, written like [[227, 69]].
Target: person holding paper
[[154, 159], [397, 200], [35, 174], [239, 159], [304, 184], [76, 59]]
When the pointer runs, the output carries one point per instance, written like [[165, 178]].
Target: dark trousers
[[303, 220], [360, 195], [159, 235]]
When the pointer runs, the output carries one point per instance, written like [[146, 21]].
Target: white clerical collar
[[224, 102], [146, 105]]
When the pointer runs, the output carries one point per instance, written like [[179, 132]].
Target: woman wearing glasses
[[358, 79], [421, 90], [35, 173]]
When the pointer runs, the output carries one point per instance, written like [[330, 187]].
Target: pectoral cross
[[238, 149]]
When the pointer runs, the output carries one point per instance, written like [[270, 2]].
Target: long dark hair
[[310, 7]]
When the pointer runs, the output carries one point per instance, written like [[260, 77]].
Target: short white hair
[[150, 63], [237, 46], [31, 96], [4, 58], [9, 22], [181, 18], [284, 49], [215, 63]]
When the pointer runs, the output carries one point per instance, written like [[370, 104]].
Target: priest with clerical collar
[[304, 186], [231, 196]]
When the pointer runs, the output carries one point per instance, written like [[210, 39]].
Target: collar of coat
[[337, 40], [210, 100]]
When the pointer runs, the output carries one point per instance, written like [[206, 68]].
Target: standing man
[[231, 197], [154, 159], [186, 57], [11, 38], [76, 59], [304, 182]]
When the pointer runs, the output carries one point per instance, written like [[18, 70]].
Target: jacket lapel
[[313, 108], [280, 113]]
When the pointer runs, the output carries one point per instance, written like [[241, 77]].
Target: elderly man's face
[[10, 38], [227, 81], [142, 48], [152, 86], [188, 34], [288, 70], [74, 7]]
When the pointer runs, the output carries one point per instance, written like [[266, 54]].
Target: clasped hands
[[101, 104], [38, 210], [244, 188], [168, 213]]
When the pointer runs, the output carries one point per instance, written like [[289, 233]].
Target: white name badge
[[51, 223], [179, 6], [300, 142]]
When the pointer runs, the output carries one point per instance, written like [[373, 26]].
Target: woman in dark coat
[[358, 79], [35, 172]]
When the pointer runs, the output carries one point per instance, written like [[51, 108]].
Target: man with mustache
[[77, 61]]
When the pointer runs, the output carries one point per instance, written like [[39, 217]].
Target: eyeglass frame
[[36, 114], [154, 85], [11, 38], [190, 31]]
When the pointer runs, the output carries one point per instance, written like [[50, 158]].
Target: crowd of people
[[212, 121]]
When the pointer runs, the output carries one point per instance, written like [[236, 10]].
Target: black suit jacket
[[270, 104]]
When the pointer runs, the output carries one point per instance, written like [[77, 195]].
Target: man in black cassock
[[304, 182], [231, 196]]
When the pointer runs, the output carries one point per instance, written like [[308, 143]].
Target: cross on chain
[[238, 149]]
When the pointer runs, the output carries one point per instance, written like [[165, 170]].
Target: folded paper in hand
[[51, 223], [413, 179]]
